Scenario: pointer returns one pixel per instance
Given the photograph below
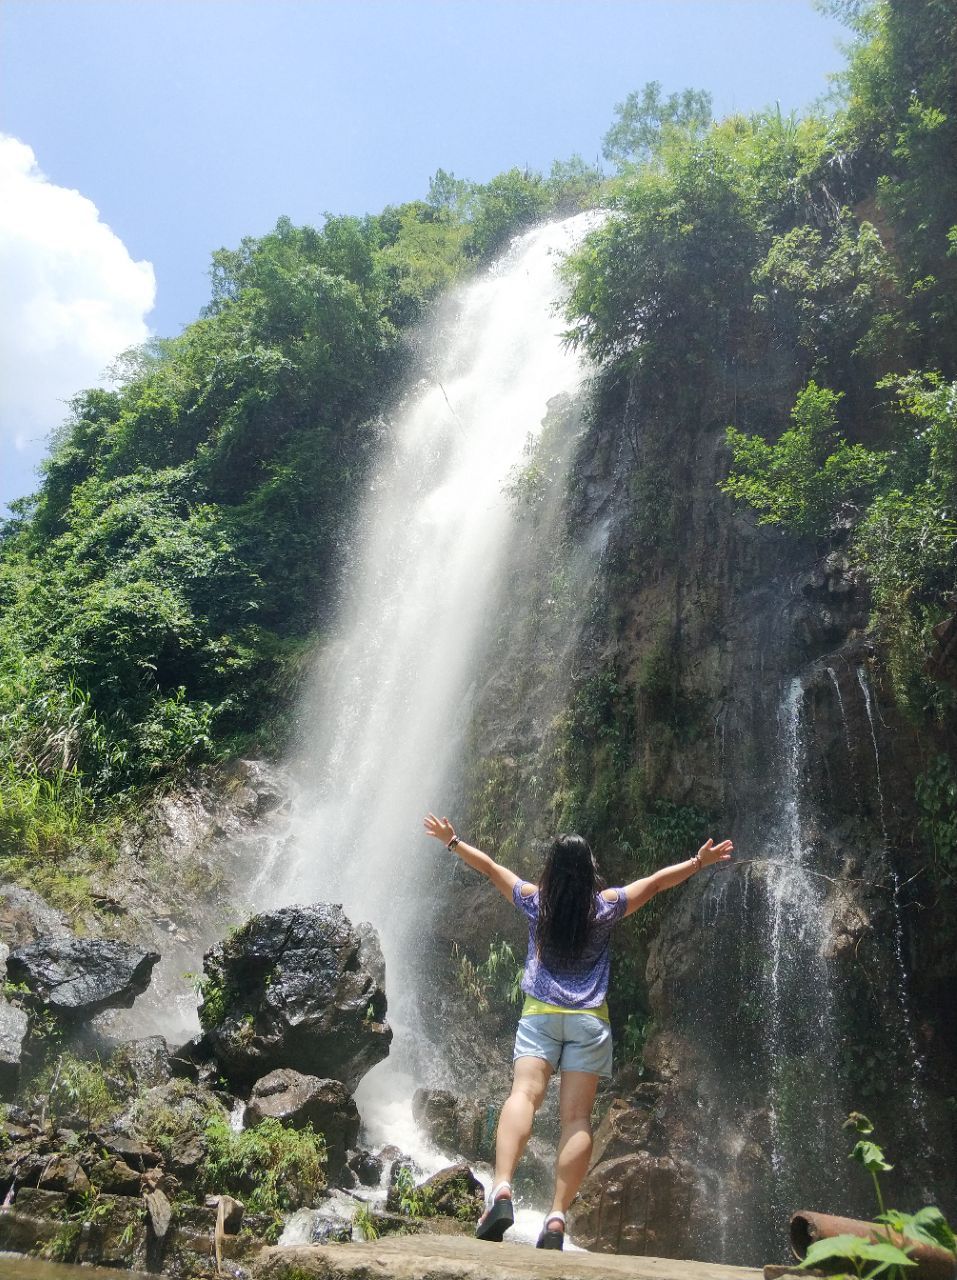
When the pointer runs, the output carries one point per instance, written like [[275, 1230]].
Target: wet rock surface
[[14, 1025], [301, 988], [440, 1257], [454, 1193], [76, 978], [298, 1100], [145, 1063], [457, 1125]]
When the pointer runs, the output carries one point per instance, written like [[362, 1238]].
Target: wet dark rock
[[160, 1213], [300, 988], [186, 1156], [76, 978], [144, 1063], [14, 1025], [34, 1221], [454, 1192], [115, 1177], [298, 1100], [194, 1061], [367, 1167], [636, 1204], [134, 1153], [457, 1125], [63, 1173]]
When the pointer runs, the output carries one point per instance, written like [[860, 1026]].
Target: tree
[[645, 117]]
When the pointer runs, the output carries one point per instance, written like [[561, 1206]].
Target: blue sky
[[191, 123]]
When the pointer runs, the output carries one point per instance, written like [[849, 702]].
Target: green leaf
[[858, 1121], [870, 1155], [856, 1249], [928, 1226]]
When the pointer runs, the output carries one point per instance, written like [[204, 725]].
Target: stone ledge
[[456, 1258]]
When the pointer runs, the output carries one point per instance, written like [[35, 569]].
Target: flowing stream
[[389, 705]]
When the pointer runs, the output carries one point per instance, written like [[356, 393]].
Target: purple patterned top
[[584, 984]]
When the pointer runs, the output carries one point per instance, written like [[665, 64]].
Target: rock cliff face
[[728, 675]]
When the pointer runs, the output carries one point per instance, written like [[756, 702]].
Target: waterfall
[[802, 1031], [389, 705], [915, 1062]]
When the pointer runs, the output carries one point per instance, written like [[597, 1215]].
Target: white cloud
[[72, 298]]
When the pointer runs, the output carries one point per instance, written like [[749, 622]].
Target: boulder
[[637, 1204], [76, 978], [172, 1117], [129, 1151], [14, 1025], [367, 1167], [454, 1124], [62, 1172], [144, 1063], [301, 988], [298, 1100], [454, 1192], [25, 917], [194, 1061], [115, 1177], [229, 1210]]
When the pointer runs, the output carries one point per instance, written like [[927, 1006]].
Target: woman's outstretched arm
[[641, 891], [503, 879]]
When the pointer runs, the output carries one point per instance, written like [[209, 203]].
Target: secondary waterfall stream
[[388, 707]]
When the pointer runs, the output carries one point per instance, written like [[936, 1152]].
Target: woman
[[564, 1022]]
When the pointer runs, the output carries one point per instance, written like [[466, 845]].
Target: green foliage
[[667, 279], [833, 293], [901, 119], [415, 1202], [633, 1037], [901, 1231], [936, 795], [805, 480], [271, 1167], [902, 502], [644, 120], [215, 997], [363, 1221], [907, 539], [178, 1111], [77, 1087], [508, 203], [866, 1258], [927, 1226], [497, 979]]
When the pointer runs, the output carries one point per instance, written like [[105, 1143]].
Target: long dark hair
[[566, 900]]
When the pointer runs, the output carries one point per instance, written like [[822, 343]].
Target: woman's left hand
[[441, 828], [710, 853]]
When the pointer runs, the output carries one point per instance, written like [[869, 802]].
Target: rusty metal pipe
[[933, 1263]]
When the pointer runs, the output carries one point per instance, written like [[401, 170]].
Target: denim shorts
[[567, 1041]]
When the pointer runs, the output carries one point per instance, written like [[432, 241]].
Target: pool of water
[[15, 1266]]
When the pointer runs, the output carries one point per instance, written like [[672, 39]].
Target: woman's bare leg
[[515, 1122], [576, 1099]]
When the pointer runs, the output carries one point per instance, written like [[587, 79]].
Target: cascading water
[[913, 1057], [802, 1033], [389, 705]]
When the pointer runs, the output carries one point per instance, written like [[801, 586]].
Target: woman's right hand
[[441, 828]]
